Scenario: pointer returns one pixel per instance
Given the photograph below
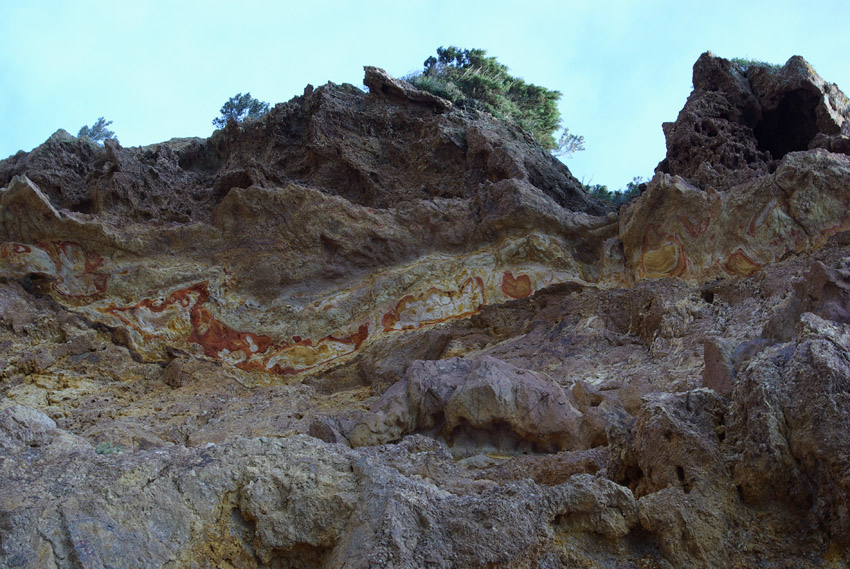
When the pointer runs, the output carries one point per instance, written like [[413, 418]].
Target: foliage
[[108, 448], [470, 78], [98, 131], [569, 144], [619, 197], [745, 64], [240, 108]]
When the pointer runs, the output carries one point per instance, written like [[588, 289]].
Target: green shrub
[[470, 78], [746, 64], [618, 197], [240, 108], [98, 131]]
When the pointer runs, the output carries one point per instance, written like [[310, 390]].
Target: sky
[[162, 69]]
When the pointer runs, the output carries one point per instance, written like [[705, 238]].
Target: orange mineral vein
[[434, 306], [182, 316], [519, 287]]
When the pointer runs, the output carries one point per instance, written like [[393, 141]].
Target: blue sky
[[162, 69]]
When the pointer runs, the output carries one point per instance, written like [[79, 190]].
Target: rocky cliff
[[374, 330]]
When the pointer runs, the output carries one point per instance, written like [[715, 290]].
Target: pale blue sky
[[162, 69]]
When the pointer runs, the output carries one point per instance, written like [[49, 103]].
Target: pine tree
[[472, 79], [98, 131], [240, 108]]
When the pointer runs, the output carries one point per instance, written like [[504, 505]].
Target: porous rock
[[742, 118]]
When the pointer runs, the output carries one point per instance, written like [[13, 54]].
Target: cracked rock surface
[[376, 330]]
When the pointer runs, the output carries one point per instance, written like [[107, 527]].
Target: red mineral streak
[[739, 263], [682, 263], [220, 341], [216, 337], [68, 249], [391, 318], [14, 249], [676, 270], [183, 298], [761, 216], [74, 267], [309, 355], [839, 228], [518, 287]]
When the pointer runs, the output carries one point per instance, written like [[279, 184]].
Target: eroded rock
[[374, 330], [460, 399], [739, 121]]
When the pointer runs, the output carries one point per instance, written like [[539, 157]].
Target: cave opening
[[791, 126]]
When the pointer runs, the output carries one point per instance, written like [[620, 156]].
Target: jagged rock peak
[[380, 82], [378, 149], [743, 117]]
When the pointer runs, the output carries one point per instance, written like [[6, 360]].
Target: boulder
[[455, 396]]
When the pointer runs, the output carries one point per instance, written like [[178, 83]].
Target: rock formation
[[375, 330], [744, 118]]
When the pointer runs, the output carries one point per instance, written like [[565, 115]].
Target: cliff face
[[375, 330]]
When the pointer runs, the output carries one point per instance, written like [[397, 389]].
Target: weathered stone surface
[[462, 398], [679, 230], [365, 331], [379, 81], [739, 121], [789, 421], [719, 372], [385, 149]]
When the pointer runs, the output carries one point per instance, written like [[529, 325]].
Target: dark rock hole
[[686, 484], [789, 127], [632, 476]]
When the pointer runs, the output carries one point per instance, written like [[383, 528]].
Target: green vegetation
[[746, 64], [240, 108], [108, 448], [619, 197], [470, 78], [98, 131]]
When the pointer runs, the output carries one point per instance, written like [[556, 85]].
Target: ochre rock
[[679, 230]]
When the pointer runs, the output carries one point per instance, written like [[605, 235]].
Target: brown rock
[[788, 425], [190, 334], [743, 120], [378, 81], [456, 396], [376, 150], [719, 372], [679, 230]]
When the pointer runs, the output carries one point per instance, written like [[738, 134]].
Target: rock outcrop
[[375, 330], [377, 150], [742, 119]]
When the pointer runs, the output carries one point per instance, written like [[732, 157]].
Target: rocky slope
[[372, 330]]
